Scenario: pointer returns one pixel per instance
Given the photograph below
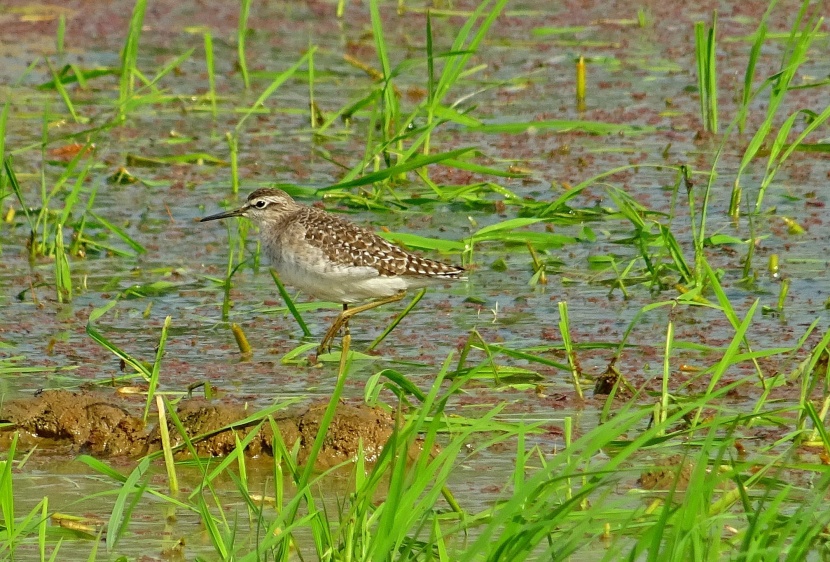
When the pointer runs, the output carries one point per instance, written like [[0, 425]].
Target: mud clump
[[88, 422], [209, 420], [671, 473], [349, 427], [110, 426]]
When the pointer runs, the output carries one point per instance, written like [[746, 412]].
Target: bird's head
[[263, 205]]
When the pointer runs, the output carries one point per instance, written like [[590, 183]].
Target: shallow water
[[637, 76]]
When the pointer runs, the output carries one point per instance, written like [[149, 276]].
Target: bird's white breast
[[318, 277]]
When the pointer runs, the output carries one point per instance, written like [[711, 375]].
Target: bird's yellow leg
[[342, 320]]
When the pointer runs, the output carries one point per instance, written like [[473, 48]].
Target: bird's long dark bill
[[224, 215]]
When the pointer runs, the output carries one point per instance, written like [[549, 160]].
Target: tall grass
[[18, 531], [707, 75], [803, 33], [241, 36], [129, 58], [399, 141]]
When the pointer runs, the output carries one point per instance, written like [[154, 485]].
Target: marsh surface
[[136, 239]]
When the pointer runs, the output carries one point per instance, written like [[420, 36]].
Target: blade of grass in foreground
[[418, 296], [169, 463], [415, 485], [16, 531], [289, 303], [302, 477], [538, 517], [120, 516], [77, 75], [7, 494], [12, 179], [728, 356], [154, 373]]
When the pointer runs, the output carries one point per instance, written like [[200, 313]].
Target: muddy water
[[640, 76]]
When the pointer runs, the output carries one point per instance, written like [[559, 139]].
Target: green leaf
[[119, 519], [138, 248], [154, 289], [509, 224], [422, 242], [720, 239], [410, 164]]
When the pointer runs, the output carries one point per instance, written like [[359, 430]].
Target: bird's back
[[347, 244]]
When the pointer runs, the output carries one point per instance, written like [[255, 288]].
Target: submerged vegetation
[[637, 369]]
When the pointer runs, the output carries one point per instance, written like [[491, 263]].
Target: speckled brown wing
[[348, 244]]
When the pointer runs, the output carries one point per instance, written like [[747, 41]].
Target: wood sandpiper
[[332, 259]]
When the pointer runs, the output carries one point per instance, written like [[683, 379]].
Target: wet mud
[[110, 425], [671, 473]]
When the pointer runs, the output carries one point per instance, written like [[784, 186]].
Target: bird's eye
[[260, 204]]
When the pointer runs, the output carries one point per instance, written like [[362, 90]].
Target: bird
[[332, 259]]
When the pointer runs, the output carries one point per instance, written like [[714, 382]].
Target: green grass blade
[[565, 331], [112, 348], [120, 232], [120, 516], [430, 81], [276, 83], [7, 494], [749, 74], [712, 75], [465, 47], [129, 57], [289, 303], [63, 280], [211, 72], [154, 373], [393, 171], [61, 34], [63, 93], [390, 101], [12, 178], [241, 35], [418, 296], [169, 462]]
